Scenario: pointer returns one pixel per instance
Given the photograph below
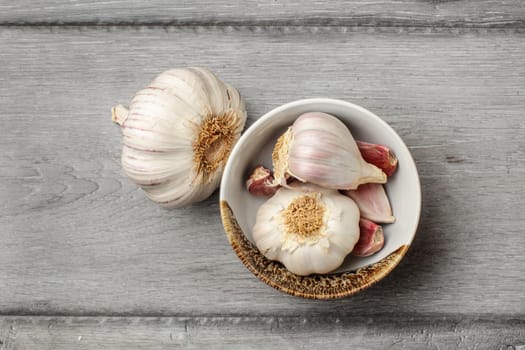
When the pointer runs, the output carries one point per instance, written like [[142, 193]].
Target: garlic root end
[[280, 156]]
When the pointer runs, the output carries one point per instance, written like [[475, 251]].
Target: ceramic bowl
[[239, 207]]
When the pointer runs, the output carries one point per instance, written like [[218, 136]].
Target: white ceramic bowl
[[239, 208]]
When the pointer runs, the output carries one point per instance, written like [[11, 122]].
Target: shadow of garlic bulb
[[309, 229], [178, 134]]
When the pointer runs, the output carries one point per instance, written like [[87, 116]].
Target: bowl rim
[[371, 274]]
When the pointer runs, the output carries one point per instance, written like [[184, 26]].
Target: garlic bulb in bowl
[[178, 134], [309, 229], [318, 148]]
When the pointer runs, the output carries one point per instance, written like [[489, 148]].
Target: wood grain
[[58, 333], [78, 238], [447, 13]]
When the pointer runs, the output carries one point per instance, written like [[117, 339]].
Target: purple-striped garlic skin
[[178, 134], [318, 148]]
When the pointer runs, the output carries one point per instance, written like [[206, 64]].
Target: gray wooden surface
[[472, 13], [244, 333], [78, 239]]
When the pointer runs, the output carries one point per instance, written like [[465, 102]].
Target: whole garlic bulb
[[318, 148], [308, 229], [178, 134]]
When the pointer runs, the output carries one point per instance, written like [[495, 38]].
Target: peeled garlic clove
[[309, 229], [318, 148], [178, 134], [260, 182], [371, 239], [379, 155], [372, 202]]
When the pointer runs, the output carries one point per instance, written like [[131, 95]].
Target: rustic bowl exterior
[[329, 286]]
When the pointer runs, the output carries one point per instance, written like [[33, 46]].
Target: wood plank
[[78, 238], [295, 12], [259, 333]]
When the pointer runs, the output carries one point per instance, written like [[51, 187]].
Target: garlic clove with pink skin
[[261, 182], [371, 239], [372, 202], [318, 148], [379, 155]]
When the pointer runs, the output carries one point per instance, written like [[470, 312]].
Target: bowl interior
[[256, 145]]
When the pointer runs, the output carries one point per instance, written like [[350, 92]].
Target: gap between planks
[[233, 319], [279, 29], [303, 317], [364, 21], [259, 332]]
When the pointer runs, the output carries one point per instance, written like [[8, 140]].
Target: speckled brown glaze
[[329, 286]]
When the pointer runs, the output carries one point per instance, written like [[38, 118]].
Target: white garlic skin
[[322, 151], [338, 236], [162, 128]]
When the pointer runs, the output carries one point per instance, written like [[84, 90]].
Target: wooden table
[[88, 262]]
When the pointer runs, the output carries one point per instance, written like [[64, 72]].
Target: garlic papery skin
[[308, 229], [318, 148], [178, 134]]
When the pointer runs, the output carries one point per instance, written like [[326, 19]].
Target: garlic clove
[[371, 239], [261, 182], [307, 228], [178, 134], [372, 202], [318, 148], [379, 155]]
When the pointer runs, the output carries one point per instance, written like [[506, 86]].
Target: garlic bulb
[[178, 134], [318, 148], [308, 229]]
